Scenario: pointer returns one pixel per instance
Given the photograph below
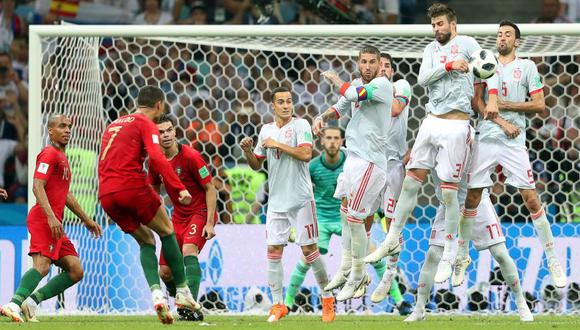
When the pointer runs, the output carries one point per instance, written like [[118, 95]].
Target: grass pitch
[[299, 322]]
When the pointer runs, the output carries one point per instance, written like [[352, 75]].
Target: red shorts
[[41, 241], [131, 208], [189, 232]]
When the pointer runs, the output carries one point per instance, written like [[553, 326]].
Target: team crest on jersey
[[51, 248], [454, 50], [288, 134], [517, 74], [178, 171]]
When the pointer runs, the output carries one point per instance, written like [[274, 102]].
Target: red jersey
[[52, 166], [126, 142], [193, 172]]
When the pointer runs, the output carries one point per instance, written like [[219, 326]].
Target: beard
[[443, 38], [503, 51]]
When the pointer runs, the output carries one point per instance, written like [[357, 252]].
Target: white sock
[[427, 277], [275, 277], [345, 228], [451, 220], [406, 204], [544, 233], [508, 269], [465, 229], [319, 270], [359, 242]]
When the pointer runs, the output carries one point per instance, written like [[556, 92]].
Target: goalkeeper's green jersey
[[324, 178]]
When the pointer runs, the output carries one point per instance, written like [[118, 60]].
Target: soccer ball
[[483, 64]]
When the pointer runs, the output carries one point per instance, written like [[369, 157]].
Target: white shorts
[[364, 183], [514, 161], [443, 145], [393, 186], [486, 231], [303, 219], [340, 192]]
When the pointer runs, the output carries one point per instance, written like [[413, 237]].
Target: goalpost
[[216, 80]]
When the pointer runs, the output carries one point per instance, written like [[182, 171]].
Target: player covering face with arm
[[287, 144], [48, 241]]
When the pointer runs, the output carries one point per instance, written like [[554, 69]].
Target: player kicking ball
[[287, 145], [193, 223], [48, 241], [129, 200]]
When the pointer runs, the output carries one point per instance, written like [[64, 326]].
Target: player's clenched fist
[[460, 65], [317, 125], [247, 143], [184, 197]]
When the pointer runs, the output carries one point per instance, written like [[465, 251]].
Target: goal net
[[217, 81]]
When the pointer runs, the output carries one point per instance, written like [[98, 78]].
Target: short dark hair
[[5, 54], [439, 9], [279, 89], [324, 129], [166, 119], [513, 25], [149, 95], [368, 49]]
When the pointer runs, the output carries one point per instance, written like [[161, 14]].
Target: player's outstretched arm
[[40, 193], [3, 193], [255, 163], [75, 207]]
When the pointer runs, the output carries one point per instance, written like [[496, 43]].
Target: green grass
[[300, 322]]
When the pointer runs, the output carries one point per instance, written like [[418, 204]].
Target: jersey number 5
[[115, 130]]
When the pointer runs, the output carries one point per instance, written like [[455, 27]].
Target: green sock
[[171, 288], [174, 258], [149, 265], [55, 286], [395, 292], [192, 274], [296, 280], [28, 283], [380, 267]]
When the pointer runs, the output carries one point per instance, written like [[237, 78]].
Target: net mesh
[[218, 88]]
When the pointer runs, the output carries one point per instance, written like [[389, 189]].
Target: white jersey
[[370, 108], [517, 79], [288, 178], [449, 90], [397, 134]]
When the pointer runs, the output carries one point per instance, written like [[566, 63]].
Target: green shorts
[[325, 231]]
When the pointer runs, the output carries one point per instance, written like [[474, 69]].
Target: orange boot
[[277, 312], [328, 313]]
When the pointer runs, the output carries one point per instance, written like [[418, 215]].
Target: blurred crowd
[[220, 94]]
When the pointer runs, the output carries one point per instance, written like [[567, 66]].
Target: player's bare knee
[[308, 249], [76, 273], [41, 264], [43, 269], [473, 198], [190, 250], [275, 249], [165, 274], [531, 200]]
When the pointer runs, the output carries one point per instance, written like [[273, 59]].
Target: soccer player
[[518, 79], [490, 237], [369, 100], [444, 137], [48, 241], [129, 200], [287, 145], [396, 149], [193, 223], [324, 172]]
